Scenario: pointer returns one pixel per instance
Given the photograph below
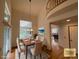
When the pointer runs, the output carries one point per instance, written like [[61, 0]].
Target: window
[[6, 13], [7, 31], [25, 29], [7, 37]]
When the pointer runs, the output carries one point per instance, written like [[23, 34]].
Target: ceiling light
[[68, 20]]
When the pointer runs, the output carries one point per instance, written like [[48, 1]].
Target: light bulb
[[68, 20]]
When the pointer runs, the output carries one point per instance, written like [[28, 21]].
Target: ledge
[[60, 7]]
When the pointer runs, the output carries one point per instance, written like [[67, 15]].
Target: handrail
[[51, 4]]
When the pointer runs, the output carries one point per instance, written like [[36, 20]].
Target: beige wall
[[9, 4], [45, 19], [16, 17], [63, 34], [1, 26], [42, 22]]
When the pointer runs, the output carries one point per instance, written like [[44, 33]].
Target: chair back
[[18, 45], [38, 48]]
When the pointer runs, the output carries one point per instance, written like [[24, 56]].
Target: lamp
[[30, 30]]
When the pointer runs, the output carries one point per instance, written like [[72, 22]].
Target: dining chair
[[37, 50], [20, 48]]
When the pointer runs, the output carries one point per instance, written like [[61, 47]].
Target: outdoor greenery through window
[[25, 27]]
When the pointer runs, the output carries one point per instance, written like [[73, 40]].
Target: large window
[[25, 29], [7, 40], [7, 31]]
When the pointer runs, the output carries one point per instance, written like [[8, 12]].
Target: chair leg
[[19, 55], [40, 56], [34, 57], [31, 55]]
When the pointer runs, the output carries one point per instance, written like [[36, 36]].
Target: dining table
[[28, 43]]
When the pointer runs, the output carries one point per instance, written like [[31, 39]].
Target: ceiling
[[24, 6], [73, 19]]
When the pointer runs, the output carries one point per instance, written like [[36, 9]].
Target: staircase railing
[[51, 4]]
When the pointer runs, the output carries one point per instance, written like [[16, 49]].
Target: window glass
[[7, 31], [25, 29], [6, 13]]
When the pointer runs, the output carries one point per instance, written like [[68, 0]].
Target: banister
[[51, 4]]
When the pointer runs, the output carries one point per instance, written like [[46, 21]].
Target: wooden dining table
[[28, 43]]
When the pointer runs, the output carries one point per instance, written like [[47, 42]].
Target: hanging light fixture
[[29, 0], [30, 9]]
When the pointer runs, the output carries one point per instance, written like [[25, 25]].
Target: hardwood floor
[[55, 53], [11, 55]]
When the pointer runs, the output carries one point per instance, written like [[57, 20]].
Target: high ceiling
[[24, 6]]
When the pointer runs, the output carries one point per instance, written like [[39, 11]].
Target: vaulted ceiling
[[24, 6]]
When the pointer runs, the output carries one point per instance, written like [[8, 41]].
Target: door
[[74, 37]]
